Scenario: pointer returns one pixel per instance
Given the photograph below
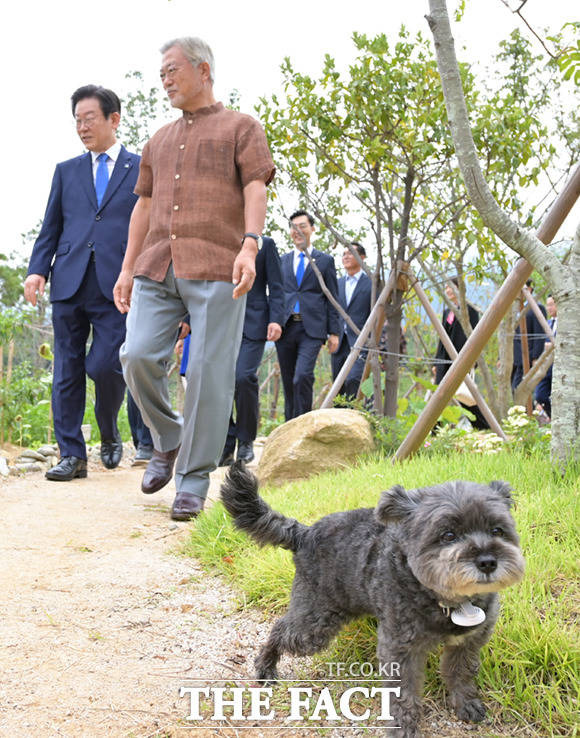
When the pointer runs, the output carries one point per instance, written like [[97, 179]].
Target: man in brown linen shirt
[[194, 231]]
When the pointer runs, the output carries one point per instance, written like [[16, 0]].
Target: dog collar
[[466, 614]]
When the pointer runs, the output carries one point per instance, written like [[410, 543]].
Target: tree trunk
[[566, 370], [391, 360], [506, 360], [564, 280]]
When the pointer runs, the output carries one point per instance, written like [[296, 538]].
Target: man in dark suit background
[[309, 319], [263, 322], [535, 338], [80, 247], [354, 296]]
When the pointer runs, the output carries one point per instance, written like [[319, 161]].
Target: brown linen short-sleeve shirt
[[194, 170]]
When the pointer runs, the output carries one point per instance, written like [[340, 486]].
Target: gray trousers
[[216, 332]]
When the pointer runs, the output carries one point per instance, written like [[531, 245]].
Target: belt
[[296, 317]]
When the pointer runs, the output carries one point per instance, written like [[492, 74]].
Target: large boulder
[[313, 443]]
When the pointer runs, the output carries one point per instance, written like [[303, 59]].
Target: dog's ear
[[504, 490], [396, 503]]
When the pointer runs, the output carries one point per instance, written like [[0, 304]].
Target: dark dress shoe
[[227, 458], [245, 451], [159, 471], [111, 452], [69, 467], [186, 506], [143, 455]]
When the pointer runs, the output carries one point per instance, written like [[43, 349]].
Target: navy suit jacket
[[319, 317], [359, 308], [536, 337], [264, 307], [74, 225]]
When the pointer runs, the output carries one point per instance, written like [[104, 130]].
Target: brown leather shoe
[[186, 506], [159, 471]]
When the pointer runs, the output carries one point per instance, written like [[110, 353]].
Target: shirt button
[[177, 176], [176, 207], [182, 146], [190, 121], [97, 217], [173, 236]]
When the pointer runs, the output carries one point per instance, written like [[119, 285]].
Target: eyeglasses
[[168, 72], [89, 121]]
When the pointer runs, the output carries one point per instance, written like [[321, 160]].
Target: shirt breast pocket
[[215, 159]]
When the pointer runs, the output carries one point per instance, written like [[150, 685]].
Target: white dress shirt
[[297, 253], [113, 154], [350, 285]]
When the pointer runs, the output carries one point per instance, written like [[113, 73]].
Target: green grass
[[530, 669]]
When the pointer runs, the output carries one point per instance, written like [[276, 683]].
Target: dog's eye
[[448, 537], [497, 532]]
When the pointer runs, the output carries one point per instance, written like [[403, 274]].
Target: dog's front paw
[[409, 732], [267, 675], [471, 711]]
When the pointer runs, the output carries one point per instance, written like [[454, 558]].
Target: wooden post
[[492, 317], [274, 405]]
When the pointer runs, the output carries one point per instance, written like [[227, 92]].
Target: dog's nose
[[486, 563]]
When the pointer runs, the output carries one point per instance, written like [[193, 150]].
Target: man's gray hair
[[195, 49]]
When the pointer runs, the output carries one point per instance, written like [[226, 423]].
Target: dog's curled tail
[[239, 494]]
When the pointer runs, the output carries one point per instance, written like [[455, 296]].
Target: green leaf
[[367, 387]]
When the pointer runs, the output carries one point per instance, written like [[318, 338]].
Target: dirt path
[[101, 622]]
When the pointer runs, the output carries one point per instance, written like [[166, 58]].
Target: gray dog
[[427, 563]]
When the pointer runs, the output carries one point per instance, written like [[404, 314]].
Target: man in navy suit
[[354, 296], [80, 248], [263, 322], [309, 320]]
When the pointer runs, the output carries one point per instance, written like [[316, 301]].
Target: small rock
[[28, 467], [172, 526], [4, 471], [48, 450], [30, 454]]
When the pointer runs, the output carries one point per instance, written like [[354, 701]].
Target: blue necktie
[[102, 178], [299, 275]]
